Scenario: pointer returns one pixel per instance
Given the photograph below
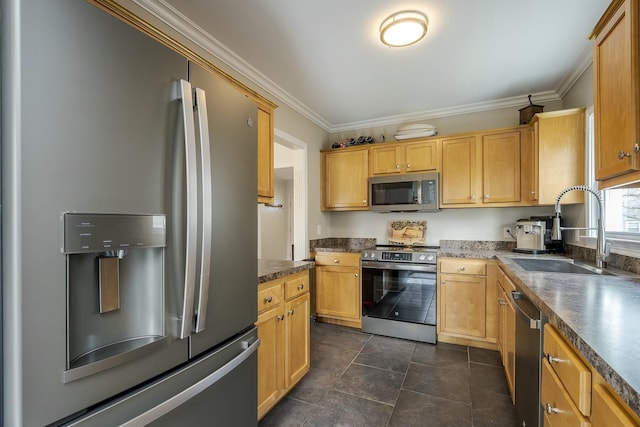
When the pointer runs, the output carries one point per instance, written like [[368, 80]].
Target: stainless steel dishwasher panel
[[529, 325]]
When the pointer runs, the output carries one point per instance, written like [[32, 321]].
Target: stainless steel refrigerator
[[128, 228]]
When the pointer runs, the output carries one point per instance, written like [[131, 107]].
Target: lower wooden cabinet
[[467, 307], [283, 329], [507, 329], [338, 288], [574, 393]]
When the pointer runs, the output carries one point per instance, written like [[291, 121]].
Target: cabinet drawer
[[505, 283], [573, 373], [463, 266], [269, 295], [559, 409], [296, 284], [607, 411], [338, 259]]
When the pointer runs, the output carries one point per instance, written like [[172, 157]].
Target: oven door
[[399, 300]]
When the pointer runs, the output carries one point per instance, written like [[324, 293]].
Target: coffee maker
[[533, 235]]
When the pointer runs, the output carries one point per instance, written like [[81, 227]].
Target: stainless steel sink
[[557, 266]]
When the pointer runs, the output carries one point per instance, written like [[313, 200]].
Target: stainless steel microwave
[[404, 193]]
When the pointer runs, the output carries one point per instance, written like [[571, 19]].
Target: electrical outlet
[[318, 230], [507, 233]]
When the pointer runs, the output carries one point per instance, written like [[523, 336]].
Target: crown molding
[[585, 60], [181, 24], [514, 101]]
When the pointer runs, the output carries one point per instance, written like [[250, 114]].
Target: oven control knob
[[431, 257], [365, 255], [422, 257], [373, 254]]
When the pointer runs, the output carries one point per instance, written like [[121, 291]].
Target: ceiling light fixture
[[403, 28]]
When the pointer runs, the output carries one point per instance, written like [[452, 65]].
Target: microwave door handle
[[205, 209], [192, 213]]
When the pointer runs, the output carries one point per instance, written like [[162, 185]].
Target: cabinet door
[[501, 323], [298, 341], [607, 411], [338, 293], [385, 160], [510, 345], [501, 167], [559, 154], [462, 305], [345, 178], [421, 156], [270, 359], [561, 409], [616, 98], [459, 171], [265, 156]]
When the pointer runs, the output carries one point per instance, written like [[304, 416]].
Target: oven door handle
[[381, 265]]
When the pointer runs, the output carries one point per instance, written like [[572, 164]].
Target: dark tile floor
[[359, 379]]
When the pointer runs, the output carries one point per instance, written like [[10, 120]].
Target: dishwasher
[[529, 325]]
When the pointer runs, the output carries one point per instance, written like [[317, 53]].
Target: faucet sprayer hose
[[596, 193]]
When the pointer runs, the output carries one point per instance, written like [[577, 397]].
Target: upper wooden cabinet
[[265, 155], [344, 178], [553, 156], [501, 167], [418, 156], [482, 169], [617, 94]]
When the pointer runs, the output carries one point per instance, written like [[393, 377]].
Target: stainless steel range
[[399, 292]]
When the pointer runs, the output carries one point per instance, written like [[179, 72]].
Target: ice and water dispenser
[[115, 289]]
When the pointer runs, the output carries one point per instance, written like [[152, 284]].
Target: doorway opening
[[282, 227]]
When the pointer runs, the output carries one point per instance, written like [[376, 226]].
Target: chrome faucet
[[602, 249]]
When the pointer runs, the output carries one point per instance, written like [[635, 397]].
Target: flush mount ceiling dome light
[[403, 28]]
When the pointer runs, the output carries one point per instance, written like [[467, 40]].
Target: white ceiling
[[325, 60]]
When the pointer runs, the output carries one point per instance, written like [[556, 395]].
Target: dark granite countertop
[[598, 314], [341, 244], [270, 269]]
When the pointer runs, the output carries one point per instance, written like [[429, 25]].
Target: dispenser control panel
[[83, 233]]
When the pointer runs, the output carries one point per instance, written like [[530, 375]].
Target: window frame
[[624, 243]]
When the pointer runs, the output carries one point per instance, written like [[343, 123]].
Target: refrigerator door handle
[[189, 393], [205, 209], [192, 209]]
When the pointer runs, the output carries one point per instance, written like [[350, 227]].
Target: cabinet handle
[[397, 166], [533, 193], [622, 154], [335, 261], [550, 409], [636, 148], [408, 165], [268, 299], [356, 275], [281, 317], [442, 282], [486, 196], [291, 312], [552, 359], [472, 197], [300, 287], [461, 268]]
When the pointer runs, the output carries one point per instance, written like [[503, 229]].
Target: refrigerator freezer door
[[219, 388], [94, 120], [232, 294]]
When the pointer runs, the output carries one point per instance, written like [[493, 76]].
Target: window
[[622, 210], [621, 205]]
